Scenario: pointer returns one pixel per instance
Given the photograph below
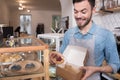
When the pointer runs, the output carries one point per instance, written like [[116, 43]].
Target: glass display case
[[54, 40], [20, 59]]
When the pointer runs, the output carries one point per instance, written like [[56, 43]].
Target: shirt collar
[[91, 31]]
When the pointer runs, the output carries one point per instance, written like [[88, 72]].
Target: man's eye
[[84, 12], [75, 12]]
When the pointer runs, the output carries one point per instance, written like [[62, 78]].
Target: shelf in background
[[112, 10]]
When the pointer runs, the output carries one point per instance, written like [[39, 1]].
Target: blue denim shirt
[[105, 45]]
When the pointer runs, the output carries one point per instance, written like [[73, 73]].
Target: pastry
[[29, 66], [57, 58], [9, 57], [16, 68]]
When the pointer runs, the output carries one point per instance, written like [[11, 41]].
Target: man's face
[[82, 13]]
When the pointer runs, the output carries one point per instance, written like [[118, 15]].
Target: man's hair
[[91, 2]]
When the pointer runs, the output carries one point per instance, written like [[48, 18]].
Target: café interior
[[31, 29]]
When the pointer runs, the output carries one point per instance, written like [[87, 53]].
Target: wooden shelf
[[107, 7], [114, 9], [109, 10]]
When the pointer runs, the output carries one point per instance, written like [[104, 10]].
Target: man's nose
[[78, 14]]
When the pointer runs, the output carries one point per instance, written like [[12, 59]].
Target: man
[[100, 42]]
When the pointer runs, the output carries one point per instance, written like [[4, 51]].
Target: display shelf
[[57, 36], [108, 6], [27, 45], [52, 39], [114, 9]]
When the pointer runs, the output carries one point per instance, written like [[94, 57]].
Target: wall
[[4, 13], [37, 17], [67, 10], [43, 17], [108, 20], [11, 17]]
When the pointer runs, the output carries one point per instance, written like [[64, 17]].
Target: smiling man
[[100, 42]]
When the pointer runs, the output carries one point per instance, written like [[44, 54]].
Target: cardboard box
[[68, 72], [75, 57]]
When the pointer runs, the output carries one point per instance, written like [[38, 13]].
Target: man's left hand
[[89, 70]]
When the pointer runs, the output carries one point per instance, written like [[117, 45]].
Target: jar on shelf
[[115, 2]]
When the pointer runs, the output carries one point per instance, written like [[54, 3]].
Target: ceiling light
[[28, 10], [20, 8], [20, 4]]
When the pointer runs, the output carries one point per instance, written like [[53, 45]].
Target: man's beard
[[86, 23]]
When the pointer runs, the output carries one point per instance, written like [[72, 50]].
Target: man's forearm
[[106, 69]]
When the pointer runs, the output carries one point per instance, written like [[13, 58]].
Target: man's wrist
[[104, 69], [100, 69]]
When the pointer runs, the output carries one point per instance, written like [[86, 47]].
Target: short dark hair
[[91, 2]]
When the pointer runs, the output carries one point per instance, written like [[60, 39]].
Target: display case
[[22, 59], [54, 40]]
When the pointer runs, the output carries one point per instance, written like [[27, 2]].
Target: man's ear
[[94, 10]]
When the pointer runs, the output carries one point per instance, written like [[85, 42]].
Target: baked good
[[9, 57], [16, 67], [26, 66], [56, 58]]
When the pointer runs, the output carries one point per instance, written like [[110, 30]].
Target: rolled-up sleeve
[[111, 52]]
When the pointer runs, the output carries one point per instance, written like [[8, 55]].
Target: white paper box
[[75, 55]]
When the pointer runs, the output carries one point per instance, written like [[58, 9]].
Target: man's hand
[[56, 58], [89, 70]]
